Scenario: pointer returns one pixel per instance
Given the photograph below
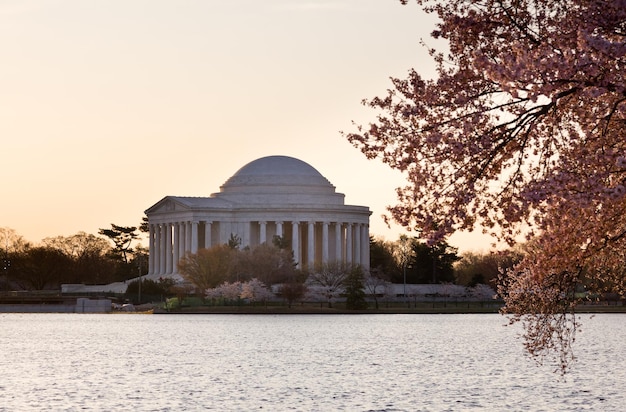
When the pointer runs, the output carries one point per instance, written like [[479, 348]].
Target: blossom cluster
[[522, 130], [253, 290]]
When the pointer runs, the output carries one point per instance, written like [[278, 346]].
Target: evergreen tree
[[355, 294]]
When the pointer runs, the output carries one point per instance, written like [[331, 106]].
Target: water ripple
[[372, 363]]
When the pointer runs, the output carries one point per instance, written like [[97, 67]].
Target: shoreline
[[308, 310]]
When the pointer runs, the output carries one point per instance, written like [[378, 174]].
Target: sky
[[106, 107]]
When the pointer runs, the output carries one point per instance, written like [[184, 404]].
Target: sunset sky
[[108, 106]]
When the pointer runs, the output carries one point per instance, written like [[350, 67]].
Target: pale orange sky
[[108, 106]]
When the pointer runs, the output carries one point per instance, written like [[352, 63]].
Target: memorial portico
[[271, 196]]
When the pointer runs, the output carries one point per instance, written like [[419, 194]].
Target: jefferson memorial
[[270, 196]]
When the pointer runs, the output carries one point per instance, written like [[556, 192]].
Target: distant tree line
[[440, 263], [79, 258], [113, 256]]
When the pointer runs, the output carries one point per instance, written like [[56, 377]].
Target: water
[[71, 362]]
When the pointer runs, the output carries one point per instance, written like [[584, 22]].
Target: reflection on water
[[297, 362]]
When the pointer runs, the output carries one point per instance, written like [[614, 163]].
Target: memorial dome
[[279, 180], [277, 173]]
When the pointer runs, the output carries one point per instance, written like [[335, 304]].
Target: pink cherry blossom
[[523, 129]]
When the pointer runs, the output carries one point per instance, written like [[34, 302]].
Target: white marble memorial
[[274, 195]]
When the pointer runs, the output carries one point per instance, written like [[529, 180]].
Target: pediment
[[167, 205]]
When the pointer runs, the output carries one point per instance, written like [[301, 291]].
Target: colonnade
[[312, 241]]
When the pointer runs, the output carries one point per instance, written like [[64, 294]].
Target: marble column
[[194, 237], [365, 246], [225, 231], [348, 243], [162, 237], [168, 248], [207, 234], [182, 248], [338, 237], [324, 242], [176, 246], [157, 245], [295, 244], [279, 229], [262, 232], [311, 245], [187, 237], [357, 244], [245, 239]]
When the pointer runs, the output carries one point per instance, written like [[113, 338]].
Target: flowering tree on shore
[[523, 128], [255, 291], [328, 280], [229, 291], [375, 285]]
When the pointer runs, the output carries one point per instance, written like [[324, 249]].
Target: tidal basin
[[71, 362]]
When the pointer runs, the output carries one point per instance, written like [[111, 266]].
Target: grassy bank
[[385, 308], [339, 308]]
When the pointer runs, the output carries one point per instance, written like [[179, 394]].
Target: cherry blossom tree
[[521, 132], [229, 291], [481, 292], [328, 280], [255, 291], [375, 285]]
